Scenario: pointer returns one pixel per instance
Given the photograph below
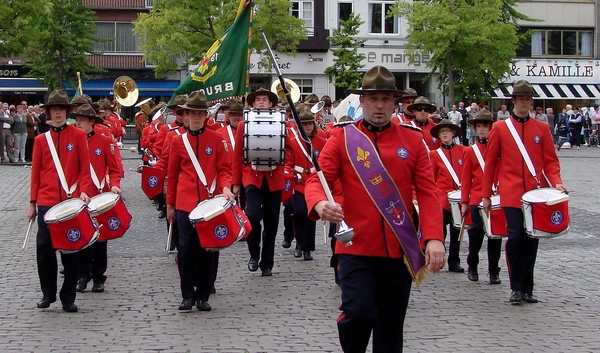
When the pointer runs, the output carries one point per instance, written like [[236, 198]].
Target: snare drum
[[454, 200], [217, 222], [71, 226], [494, 225], [545, 213], [111, 214], [264, 138], [245, 221], [152, 181]]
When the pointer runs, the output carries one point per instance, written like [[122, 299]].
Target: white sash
[[199, 171], [99, 185], [301, 145], [448, 166], [423, 139], [522, 149], [58, 166], [231, 137], [479, 157]]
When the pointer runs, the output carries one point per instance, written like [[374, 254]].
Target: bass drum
[[264, 138]]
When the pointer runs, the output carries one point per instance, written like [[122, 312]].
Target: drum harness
[[198, 168], [59, 169], [528, 162]]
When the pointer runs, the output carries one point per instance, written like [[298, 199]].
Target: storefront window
[[562, 43], [379, 23]]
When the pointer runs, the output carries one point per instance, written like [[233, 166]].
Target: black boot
[[472, 274]]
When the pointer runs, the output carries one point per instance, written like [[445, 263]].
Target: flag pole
[[251, 4], [79, 83]]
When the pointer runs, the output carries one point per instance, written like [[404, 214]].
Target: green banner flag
[[222, 72]]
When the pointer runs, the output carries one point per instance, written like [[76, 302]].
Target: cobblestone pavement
[[295, 310]]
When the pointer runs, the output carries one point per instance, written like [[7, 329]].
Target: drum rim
[[115, 198], [225, 206], [545, 191], [81, 207]]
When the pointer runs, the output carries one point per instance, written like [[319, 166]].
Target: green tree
[[64, 34], [472, 42], [186, 29], [347, 62], [16, 31]]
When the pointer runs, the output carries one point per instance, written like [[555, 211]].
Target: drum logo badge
[[114, 223], [73, 235], [221, 231], [153, 181], [537, 139], [556, 218], [70, 147], [208, 150], [402, 152], [97, 151]]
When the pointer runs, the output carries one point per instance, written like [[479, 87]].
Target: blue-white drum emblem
[[114, 223], [556, 218], [73, 235], [221, 231]]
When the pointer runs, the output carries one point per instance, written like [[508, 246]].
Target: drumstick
[[26, 242], [325, 232], [462, 228], [169, 237]]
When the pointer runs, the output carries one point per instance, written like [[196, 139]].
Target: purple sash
[[385, 195]]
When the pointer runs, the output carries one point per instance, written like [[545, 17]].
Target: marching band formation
[[392, 186]]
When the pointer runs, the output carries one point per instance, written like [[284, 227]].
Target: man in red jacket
[[72, 154], [378, 164], [422, 108], [472, 178], [515, 179], [186, 188]]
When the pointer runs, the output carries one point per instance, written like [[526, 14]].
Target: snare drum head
[[541, 195], [454, 196], [103, 202], [495, 200], [66, 209], [219, 203]]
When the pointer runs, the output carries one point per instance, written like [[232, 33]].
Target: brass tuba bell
[[291, 86], [125, 91]]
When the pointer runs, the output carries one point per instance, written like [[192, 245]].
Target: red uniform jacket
[[104, 161], [141, 120], [71, 147], [243, 174], [163, 161], [403, 153], [432, 142], [162, 135], [505, 161], [214, 125], [472, 175], [104, 130], [297, 163], [441, 174], [224, 131], [184, 188]]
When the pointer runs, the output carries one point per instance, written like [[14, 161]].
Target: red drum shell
[[220, 231], [495, 226], [543, 220], [72, 232], [152, 181], [245, 221], [114, 221]]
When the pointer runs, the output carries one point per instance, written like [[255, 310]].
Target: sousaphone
[[290, 85], [125, 91]]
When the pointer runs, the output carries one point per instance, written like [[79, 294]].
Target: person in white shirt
[[502, 114]]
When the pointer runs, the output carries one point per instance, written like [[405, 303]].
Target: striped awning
[[555, 91]]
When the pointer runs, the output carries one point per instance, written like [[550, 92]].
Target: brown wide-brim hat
[[154, 113], [483, 116], [87, 111], [179, 100], [81, 100], [311, 99], [262, 92], [345, 120], [235, 106], [445, 123], [377, 79], [422, 102], [409, 93], [57, 98], [196, 101], [523, 88], [306, 116]]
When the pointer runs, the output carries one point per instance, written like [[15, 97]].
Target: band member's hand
[[561, 187], [116, 190], [435, 255], [171, 213], [32, 212], [236, 191], [84, 197], [464, 209], [329, 212], [487, 205], [228, 194]]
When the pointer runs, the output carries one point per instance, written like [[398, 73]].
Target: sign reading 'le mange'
[[570, 71]]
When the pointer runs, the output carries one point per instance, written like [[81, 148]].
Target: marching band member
[[93, 259], [447, 165], [407, 98], [422, 108], [472, 178], [175, 124], [186, 187], [378, 164], [73, 162], [299, 163], [515, 179], [233, 116], [263, 194]]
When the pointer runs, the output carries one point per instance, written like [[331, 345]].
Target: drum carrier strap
[[59, 169], [423, 139], [199, 171], [99, 185], [298, 168], [449, 167], [479, 157], [231, 138], [528, 162]]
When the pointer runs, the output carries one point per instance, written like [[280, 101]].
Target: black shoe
[[81, 284], [61, 271], [253, 265], [336, 278], [70, 307], [495, 278], [298, 253], [307, 256], [202, 305], [187, 304], [516, 297], [162, 214], [286, 244], [455, 268], [530, 298], [472, 274], [98, 287], [267, 273], [213, 290], [45, 302]]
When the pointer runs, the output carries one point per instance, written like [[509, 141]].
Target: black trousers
[[288, 222], [576, 136], [29, 148], [476, 236], [305, 228], [262, 204], [375, 294], [48, 267], [195, 264], [454, 250], [93, 262], [521, 252]]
